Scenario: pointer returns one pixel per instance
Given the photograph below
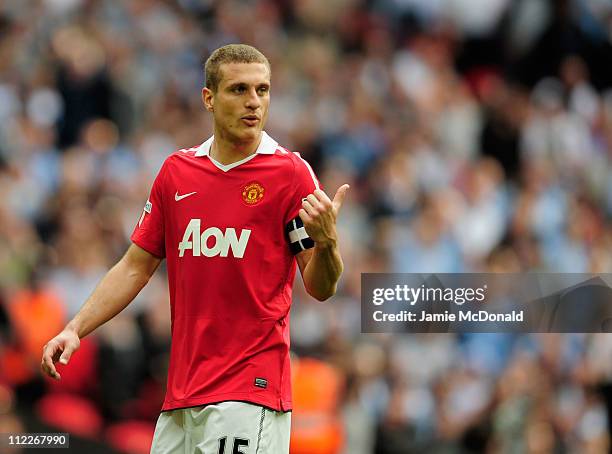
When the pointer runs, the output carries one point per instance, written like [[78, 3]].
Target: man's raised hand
[[319, 215]]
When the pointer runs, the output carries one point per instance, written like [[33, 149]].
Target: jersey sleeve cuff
[[147, 247]]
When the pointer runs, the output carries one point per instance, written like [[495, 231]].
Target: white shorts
[[223, 428]]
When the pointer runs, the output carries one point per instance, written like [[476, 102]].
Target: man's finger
[[304, 216], [48, 367], [66, 354], [322, 197], [51, 355], [340, 194], [314, 202], [308, 208]]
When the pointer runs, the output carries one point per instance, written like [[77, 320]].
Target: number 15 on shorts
[[238, 443]]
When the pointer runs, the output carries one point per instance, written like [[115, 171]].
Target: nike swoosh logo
[[178, 197]]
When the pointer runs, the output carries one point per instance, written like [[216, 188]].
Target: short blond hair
[[232, 53]]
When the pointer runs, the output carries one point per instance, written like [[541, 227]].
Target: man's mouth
[[250, 120]]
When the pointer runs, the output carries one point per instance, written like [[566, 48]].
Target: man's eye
[[262, 90], [238, 90]]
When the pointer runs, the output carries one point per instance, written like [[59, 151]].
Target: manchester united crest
[[253, 193]]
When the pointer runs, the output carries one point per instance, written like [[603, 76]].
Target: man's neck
[[227, 152]]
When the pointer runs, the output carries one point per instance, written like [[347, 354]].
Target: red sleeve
[[304, 182], [149, 231]]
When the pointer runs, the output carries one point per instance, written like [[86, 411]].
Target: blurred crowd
[[476, 136]]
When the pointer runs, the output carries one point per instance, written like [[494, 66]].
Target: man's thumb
[[66, 355], [340, 194]]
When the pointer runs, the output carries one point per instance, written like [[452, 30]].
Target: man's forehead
[[251, 73]]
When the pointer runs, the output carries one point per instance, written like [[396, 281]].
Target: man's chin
[[248, 135]]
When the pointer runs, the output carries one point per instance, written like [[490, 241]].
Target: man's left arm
[[321, 266]]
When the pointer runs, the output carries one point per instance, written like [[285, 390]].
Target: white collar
[[266, 146]]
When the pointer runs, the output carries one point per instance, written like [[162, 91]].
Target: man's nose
[[253, 101]]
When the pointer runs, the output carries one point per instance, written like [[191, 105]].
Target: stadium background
[[476, 136]]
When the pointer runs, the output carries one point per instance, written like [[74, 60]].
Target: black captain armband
[[298, 238]]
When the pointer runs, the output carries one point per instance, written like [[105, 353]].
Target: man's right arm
[[114, 292]]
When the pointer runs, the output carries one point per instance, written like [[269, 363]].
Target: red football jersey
[[229, 234]]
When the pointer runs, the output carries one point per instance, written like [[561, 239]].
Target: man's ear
[[208, 98]]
